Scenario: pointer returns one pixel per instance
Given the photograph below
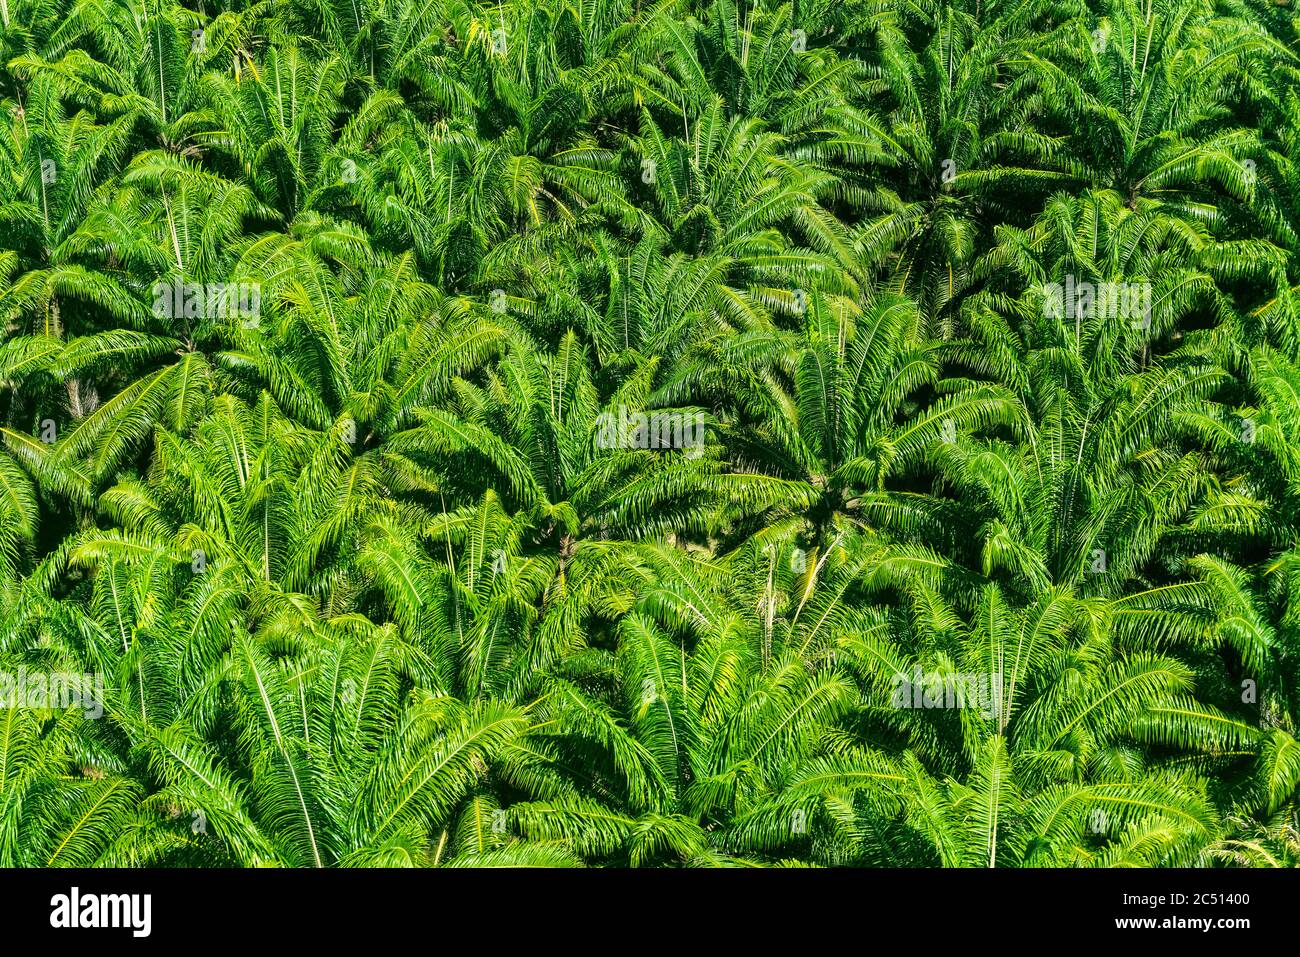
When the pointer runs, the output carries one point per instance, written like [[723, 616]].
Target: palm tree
[[649, 434], [962, 153]]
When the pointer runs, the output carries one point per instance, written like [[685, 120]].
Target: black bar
[[595, 906]]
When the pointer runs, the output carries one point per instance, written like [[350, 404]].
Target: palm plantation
[[365, 578]]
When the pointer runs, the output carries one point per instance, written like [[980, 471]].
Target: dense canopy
[[681, 432]]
